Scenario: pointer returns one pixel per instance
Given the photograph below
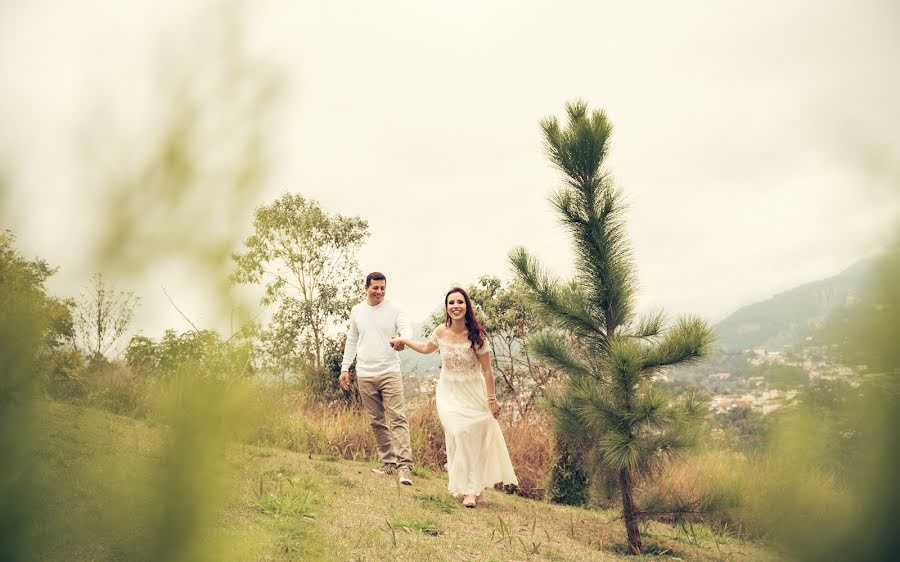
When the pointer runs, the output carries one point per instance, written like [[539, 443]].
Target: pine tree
[[611, 409]]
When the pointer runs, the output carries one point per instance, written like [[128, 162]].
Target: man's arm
[[349, 352], [403, 326]]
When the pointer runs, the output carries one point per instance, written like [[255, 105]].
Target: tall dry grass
[[707, 487], [294, 421], [531, 445], [427, 434]]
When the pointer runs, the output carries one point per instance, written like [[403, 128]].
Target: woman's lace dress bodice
[[459, 361]]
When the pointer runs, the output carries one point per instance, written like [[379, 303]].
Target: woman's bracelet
[[492, 397]]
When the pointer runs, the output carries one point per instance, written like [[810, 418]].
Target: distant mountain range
[[790, 316]]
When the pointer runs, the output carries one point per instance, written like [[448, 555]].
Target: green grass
[[281, 505], [444, 504], [103, 467], [422, 472], [425, 526], [283, 493]]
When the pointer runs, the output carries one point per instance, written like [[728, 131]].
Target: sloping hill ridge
[[789, 316]]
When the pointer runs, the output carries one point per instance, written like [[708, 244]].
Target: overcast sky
[[756, 142]]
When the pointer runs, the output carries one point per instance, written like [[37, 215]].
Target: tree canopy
[[306, 260]]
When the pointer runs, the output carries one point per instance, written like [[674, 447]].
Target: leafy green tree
[[23, 285], [102, 315], [23, 282], [509, 320], [307, 261], [206, 354], [32, 325], [611, 409]]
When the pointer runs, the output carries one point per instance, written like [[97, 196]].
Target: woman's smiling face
[[456, 306]]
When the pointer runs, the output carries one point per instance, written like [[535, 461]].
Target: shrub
[[114, 387], [568, 484], [65, 374], [322, 385]]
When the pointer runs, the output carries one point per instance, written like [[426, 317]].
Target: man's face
[[375, 291]]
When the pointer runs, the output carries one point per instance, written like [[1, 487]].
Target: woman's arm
[[485, 360], [422, 347]]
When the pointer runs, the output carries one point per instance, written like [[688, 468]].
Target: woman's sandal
[[469, 501]]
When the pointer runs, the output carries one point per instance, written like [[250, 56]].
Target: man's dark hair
[[375, 276]]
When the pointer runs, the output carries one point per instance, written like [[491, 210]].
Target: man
[[373, 323]]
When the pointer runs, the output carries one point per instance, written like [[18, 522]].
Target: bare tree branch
[[183, 315]]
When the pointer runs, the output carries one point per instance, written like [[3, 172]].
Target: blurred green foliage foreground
[[168, 202], [833, 492], [163, 510]]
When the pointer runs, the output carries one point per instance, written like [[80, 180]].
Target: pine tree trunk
[[629, 512]]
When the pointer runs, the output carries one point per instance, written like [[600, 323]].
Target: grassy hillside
[[289, 506]]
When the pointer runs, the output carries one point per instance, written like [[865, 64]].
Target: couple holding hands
[[465, 396]]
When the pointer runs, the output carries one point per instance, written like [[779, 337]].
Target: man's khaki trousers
[[382, 396]]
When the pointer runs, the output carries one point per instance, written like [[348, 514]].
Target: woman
[[477, 457]]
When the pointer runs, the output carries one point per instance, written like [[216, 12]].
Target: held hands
[[397, 344]]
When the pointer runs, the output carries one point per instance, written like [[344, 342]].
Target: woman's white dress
[[477, 457]]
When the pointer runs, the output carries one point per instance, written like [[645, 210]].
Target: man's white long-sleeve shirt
[[369, 336]]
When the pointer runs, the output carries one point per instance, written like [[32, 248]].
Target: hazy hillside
[[792, 315]]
